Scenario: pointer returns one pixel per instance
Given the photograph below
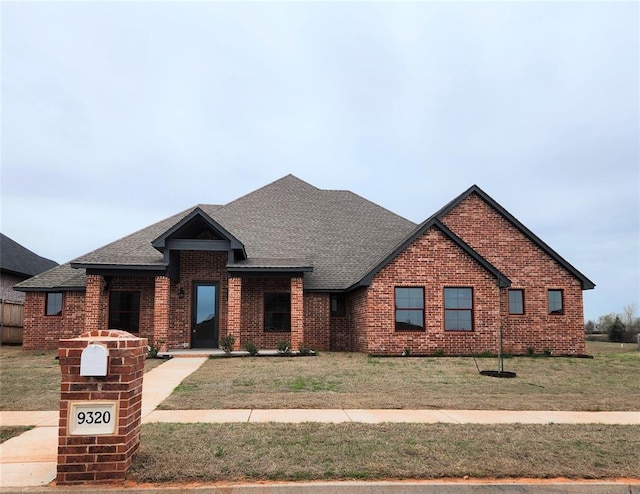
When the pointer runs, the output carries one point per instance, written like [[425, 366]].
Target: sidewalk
[[29, 460]]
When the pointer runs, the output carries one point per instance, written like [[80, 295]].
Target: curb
[[347, 487]]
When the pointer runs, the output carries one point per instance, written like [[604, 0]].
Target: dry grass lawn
[[234, 452], [30, 380], [350, 380]]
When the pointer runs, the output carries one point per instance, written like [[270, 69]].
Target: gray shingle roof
[[338, 233], [18, 260]]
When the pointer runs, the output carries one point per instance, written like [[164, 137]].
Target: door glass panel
[[205, 330]]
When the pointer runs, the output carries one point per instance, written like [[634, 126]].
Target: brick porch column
[[93, 303], [161, 306], [297, 313], [234, 310]]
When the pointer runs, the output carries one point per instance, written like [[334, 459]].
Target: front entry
[[204, 325]]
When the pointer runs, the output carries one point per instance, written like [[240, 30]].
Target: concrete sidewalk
[[29, 460]]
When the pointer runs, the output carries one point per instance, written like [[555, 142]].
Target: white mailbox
[[94, 360]]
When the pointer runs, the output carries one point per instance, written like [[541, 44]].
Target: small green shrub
[[250, 347], [283, 347], [531, 352], [439, 352], [305, 349], [226, 343], [153, 349], [546, 352], [406, 352]]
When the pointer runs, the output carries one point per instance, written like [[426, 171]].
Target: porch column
[[234, 310], [161, 306], [297, 314], [93, 303]]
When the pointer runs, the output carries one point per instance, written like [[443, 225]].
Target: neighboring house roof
[[18, 260], [337, 238], [587, 284]]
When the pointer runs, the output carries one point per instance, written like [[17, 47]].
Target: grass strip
[[351, 380], [31, 378], [7, 432], [312, 451]]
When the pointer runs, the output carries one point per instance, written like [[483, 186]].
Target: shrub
[[305, 349], [531, 352], [153, 349], [283, 347], [250, 347], [226, 343], [439, 352], [406, 352], [546, 352]]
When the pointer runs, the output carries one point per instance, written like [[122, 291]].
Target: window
[[277, 312], [409, 309], [338, 305], [54, 304], [516, 301], [555, 301], [124, 311], [458, 309]]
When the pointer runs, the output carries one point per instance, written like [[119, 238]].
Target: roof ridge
[[289, 177]]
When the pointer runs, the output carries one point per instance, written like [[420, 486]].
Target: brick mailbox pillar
[[100, 405]]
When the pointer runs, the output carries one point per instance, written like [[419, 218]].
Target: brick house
[[323, 268]]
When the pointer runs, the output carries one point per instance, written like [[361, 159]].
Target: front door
[[204, 326]]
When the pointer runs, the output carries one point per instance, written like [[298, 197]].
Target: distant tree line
[[622, 328]]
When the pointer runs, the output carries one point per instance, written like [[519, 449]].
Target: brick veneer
[[317, 322], [44, 332], [101, 458], [161, 311], [529, 268], [297, 314], [234, 311], [432, 262]]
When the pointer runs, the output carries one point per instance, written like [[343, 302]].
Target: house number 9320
[[92, 418]]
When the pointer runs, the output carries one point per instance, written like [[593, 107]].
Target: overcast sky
[[118, 114]]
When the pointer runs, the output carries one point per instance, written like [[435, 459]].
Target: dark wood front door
[[204, 325]]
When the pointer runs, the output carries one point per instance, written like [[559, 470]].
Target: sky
[[115, 115]]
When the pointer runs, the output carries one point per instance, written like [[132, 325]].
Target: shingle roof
[[16, 259], [338, 233]]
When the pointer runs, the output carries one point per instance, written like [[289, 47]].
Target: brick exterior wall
[[197, 266], [529, 268], [234, 311], [432, 262], [253, 290], [357, 313], [42, 332], [161, 311], [298, 335], [101, 458], [317, 323]]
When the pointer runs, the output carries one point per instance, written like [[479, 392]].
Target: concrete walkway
[[29, 460]]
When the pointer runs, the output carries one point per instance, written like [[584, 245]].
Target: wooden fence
[[11, 322]]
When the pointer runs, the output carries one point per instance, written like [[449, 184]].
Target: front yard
[[349, 380]]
